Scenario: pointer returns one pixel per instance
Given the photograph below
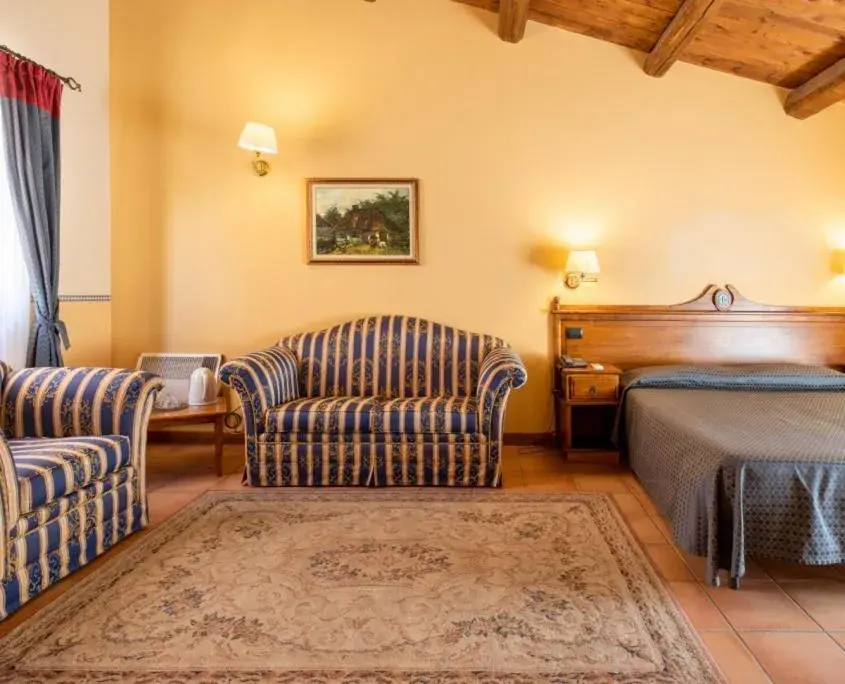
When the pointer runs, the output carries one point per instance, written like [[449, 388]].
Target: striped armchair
[[72, 468], [388, 400]]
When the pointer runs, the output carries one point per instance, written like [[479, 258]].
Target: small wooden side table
[[587, 400], [193, 415]]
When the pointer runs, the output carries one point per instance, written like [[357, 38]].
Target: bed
[[744, 460], [732, 417]]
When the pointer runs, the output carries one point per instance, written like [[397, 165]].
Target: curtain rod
[[71, 83]]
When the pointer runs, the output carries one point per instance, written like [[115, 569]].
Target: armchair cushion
[[361, 415], [48, 469]]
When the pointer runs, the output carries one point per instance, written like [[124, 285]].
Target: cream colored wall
[[89, 324], [73, 39], [521, 150]]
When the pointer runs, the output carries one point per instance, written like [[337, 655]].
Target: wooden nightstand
[[585, 410]]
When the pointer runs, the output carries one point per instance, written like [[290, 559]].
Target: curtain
[[14, 281], [30, 102]]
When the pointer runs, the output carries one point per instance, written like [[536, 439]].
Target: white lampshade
[[258, 137], [583, 261]]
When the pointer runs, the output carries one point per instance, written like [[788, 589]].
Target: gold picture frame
[[363, 221]]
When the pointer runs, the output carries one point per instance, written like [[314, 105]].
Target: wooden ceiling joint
[[681, 30], [818, 93], [785, 43], [513, 16]]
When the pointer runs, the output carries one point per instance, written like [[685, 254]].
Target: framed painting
[[363, 221]]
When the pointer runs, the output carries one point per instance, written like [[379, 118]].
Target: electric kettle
[[203, 388]]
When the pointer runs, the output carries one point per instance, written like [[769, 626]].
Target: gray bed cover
[[744, 460]]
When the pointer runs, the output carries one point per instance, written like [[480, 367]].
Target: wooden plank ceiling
[[793, 44]]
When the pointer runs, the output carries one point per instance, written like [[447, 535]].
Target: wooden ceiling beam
[[513, 16], [818, 93], [681, 30]]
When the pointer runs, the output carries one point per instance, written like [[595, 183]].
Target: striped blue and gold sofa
[[72, 469], [387, 400]]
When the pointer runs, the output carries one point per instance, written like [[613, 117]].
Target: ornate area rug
[[358, 586]]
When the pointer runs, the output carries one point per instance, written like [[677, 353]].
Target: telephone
[[569, 362]]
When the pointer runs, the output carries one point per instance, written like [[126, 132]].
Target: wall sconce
[[261, 139], [582, 266], [837, 262]]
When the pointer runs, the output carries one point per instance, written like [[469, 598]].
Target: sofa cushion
[[51, 468], [357, 415]]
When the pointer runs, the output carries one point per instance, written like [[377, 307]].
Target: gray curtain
[[30, 98]]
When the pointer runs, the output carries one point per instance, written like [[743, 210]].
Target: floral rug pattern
[[424, 587]]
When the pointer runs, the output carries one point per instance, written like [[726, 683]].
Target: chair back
[[66, 402]]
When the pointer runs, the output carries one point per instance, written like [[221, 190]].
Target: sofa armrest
[[9, 501], [262, 379], [501, 371]]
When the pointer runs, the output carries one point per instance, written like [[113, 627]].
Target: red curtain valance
[[30, 83]]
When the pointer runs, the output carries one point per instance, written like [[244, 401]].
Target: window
[[14, 281]]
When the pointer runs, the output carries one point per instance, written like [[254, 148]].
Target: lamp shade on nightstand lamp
[[582, 266], [261, 139]]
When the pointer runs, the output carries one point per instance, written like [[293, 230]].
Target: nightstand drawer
[[592, 387]]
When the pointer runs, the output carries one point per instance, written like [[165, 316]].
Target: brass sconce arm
[[582, 266], [574, 279], [260, 166]]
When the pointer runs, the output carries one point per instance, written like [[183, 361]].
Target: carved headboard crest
[[727, 298], [713, 299], [717, 326]]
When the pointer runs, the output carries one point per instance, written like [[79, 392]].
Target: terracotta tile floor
[[785, 626]]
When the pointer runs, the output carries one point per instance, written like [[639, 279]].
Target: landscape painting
[[362, 221]]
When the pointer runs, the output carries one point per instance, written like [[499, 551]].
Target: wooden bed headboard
[[718, 326]]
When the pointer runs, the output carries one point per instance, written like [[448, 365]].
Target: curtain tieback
[[58, 326]]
